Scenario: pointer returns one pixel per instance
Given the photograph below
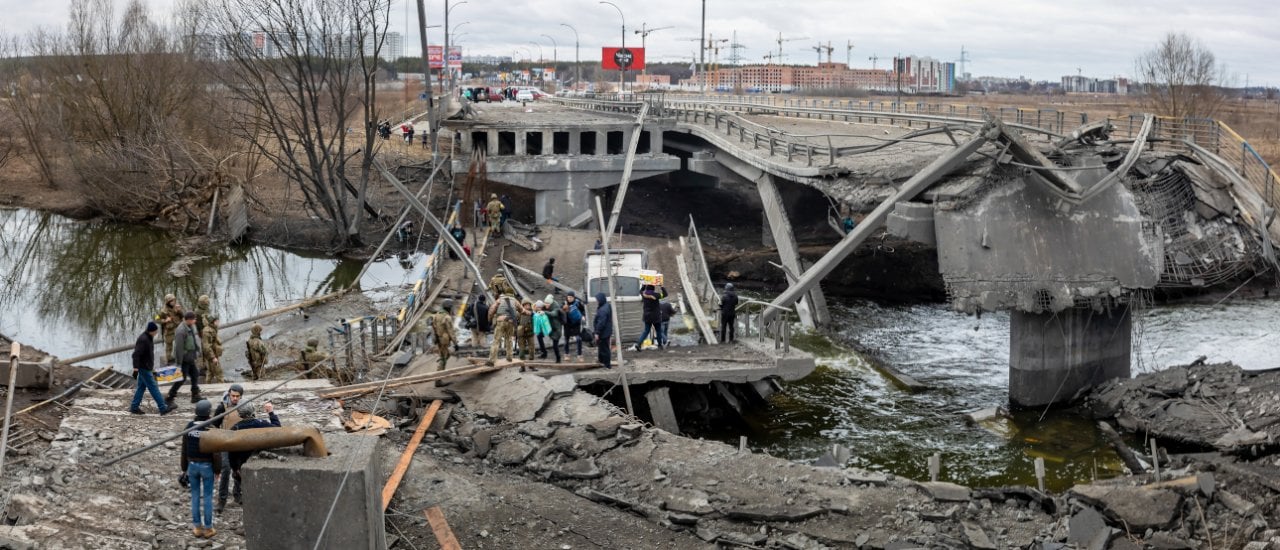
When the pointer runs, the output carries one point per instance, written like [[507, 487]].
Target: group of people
[[407, 130], [201, 470], [191, 341]]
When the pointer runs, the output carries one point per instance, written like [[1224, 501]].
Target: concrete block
[[914, 221], [664, 416], [30, 375], [285, 502]]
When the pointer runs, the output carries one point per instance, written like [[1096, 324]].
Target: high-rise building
[[392, 46]]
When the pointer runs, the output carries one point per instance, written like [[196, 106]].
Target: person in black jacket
[[230, 400], [574, 313], [248, 422], [549, 271], [480, 311], [728, 313], [668, 311], [603, 325], [199, 470], [652, 316], [144, 365]]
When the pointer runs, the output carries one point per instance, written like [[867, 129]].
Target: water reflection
[[75, 287]]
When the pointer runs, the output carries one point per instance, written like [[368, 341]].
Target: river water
[[71, 287], [964, 360]]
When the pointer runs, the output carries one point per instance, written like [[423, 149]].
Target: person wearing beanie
[[249, 422], [144, 364], [728, 314], [230, 400], [603, 325], [574, 311], [199, 471], [555, 318]]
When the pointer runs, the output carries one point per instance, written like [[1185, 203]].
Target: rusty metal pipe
[[257, 439]]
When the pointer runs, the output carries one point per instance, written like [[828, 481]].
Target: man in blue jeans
[[199, 470], [144, 364]]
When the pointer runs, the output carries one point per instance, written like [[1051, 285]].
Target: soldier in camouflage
[[494, 210], [202, 312], [504, 312], [169, 317], [499, 285], [211, 346], [446, 337], [312, 356], [256, 351], [524, 330]]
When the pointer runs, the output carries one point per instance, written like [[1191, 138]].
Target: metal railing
[[806, 148]]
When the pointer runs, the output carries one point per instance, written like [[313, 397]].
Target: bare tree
[[1182, 77], [301, 74]]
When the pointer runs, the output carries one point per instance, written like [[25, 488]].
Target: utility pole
[[702, 48], [734, 48], [848, 54], [426, 65], [555, 56], [622, 75], [577, 61]]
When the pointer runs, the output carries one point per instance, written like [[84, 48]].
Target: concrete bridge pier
[[559, 205], [1052, 356]]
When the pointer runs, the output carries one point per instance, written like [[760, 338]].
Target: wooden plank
[[444, 535], [538, 276], [703, 324], [403, 465], [370, 387]]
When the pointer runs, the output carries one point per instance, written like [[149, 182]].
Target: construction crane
[[819, 48], [710, 44], [873, 60], [769, 57], [781, 41], [644, 33], [848, 54]]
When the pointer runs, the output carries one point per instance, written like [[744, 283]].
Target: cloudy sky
[[1039, 39]]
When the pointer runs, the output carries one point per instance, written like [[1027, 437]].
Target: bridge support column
[[784, 239], [491, 137], [655, 141], [559, 206], [575, 143], [522, 143], [1052, 356]]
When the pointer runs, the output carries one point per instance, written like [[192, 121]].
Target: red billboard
[[435, 57], [616, 59]]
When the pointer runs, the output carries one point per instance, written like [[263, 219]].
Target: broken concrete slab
[[578, 409], [505, 394], [664, 416], [772, 513], [1139, 508], [512, 452], [1084, 526], [977, 537], [606, 428], [1236, 503], [944, 491], [583, 468], [562, 385], [687, 501]]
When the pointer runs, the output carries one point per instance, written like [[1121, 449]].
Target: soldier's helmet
[[447, 305], [169, 298], [203, 300], [213, 317], [313, 342], [256, 329]]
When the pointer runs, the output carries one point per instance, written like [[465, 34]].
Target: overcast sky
[[1039, 39]]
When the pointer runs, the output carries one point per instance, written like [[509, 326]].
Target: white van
[[626, 265]]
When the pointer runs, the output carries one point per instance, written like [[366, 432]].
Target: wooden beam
[[403, 465], [694, 304], [444, 535], [370, 387]]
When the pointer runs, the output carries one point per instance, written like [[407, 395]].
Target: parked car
[[526, 95]]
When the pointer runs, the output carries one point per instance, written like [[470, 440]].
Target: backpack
[[575, 313]]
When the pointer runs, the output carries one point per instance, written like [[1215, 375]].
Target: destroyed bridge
[[1064, 222]]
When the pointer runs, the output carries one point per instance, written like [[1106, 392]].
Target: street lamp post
[[577, 63], [622, 76], [555, 55], [446, 68]]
